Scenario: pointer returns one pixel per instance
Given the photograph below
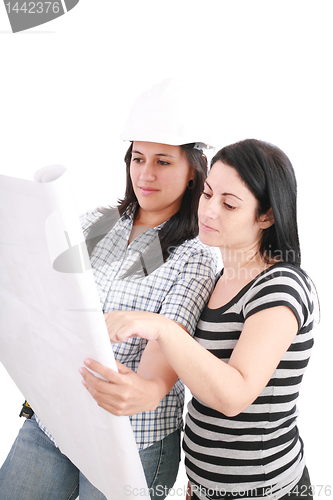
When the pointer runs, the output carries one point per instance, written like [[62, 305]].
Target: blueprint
[[51, 320]]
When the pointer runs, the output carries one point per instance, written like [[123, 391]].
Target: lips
[[146, 190], [206, 228]]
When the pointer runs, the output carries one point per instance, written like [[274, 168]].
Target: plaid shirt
[[178, 289]]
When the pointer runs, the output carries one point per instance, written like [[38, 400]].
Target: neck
[[150, 219], [242, 264]]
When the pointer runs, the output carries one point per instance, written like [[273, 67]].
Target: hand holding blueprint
[[51, 320]]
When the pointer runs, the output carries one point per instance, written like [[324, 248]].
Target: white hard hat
[[171, 112]]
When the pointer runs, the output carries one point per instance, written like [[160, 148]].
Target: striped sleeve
[[281, 286]]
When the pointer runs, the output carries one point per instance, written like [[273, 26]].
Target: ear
[[191, 176], [192, 173], [266, 220]]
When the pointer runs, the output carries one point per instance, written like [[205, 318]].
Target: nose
[[209, 208], [147, 172]]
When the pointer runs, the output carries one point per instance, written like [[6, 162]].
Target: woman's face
[[228, 211], [159, 174]]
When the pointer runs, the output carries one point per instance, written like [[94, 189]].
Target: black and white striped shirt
[[259, 452]]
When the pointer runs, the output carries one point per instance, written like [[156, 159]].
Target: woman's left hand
[[122, 393], [122, 325]]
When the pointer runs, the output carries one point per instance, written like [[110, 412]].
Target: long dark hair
[[180, 227], [270, 176]]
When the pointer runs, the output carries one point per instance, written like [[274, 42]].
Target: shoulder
[[89, 217], [193, 252], [101, 218], [282, 284], [195, 247], [284, 276]]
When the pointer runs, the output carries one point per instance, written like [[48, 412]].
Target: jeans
[[303, 489], [35, 469]]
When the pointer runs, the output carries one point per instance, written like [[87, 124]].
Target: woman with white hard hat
[[146, 256]]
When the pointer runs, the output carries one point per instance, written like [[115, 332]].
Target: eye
[[137, 160], [206, 195], [229, 207], [161, 162]]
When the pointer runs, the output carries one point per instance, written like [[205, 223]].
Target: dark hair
[[180, 227], [270, 176]]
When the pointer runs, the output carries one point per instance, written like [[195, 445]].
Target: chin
[[206, 239]]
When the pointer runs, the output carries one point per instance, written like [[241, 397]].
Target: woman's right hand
[[123, 325]]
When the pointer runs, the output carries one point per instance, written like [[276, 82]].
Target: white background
[[265, 71]]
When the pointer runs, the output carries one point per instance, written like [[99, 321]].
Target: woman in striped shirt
[[254, 339]]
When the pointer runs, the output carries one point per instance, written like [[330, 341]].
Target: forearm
[[158, 373], [211, 380], [227, 387]]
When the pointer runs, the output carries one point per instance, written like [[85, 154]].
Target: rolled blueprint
[[51, 320]]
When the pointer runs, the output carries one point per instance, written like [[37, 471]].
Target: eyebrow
[[225, 194], [157, 154]]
